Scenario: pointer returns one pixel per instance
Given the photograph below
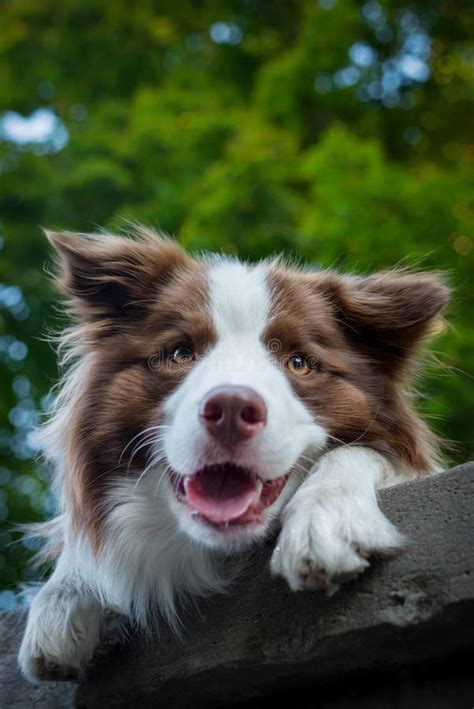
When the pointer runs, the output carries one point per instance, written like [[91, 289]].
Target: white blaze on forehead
[[239, 298]]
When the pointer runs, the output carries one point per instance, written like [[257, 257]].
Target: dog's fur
[[126, 430]]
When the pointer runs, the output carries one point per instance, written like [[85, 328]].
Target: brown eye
[[297, 364], [183, 355]]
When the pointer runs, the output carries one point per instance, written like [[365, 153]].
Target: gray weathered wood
[[262, 639]]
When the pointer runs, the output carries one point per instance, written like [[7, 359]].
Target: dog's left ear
[[109, 278], [388, 314]]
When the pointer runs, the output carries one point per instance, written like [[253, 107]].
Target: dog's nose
[[233, 414]]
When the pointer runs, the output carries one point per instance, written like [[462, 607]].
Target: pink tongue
[[220, 493]]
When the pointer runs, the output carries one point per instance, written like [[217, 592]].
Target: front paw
[[327, 541], [61, 634], [37, 666]]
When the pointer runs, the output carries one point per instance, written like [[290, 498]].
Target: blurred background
[[334, 130]]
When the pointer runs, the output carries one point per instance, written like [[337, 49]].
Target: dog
[[207, 403]]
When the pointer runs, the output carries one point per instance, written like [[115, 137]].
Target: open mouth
[[227, 494]]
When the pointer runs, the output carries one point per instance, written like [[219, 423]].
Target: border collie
[[205, 404]]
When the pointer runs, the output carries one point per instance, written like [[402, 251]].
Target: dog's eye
[[298, 365], [183, 355]]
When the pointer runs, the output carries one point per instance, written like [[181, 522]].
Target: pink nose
[[233, 414]]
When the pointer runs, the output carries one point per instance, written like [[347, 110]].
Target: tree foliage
[[332, 130]]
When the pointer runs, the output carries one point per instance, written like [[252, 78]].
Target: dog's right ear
[[387, 314], [108, 277]]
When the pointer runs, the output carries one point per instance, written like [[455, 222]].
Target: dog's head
[[224, 382]]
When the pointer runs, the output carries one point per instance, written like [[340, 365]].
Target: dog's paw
[[38, 667], [61, 634], [327, 540]]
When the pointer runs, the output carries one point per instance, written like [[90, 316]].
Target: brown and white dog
[[206, 403]]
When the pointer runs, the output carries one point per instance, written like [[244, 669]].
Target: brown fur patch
[[131, 371], [363, 334]]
